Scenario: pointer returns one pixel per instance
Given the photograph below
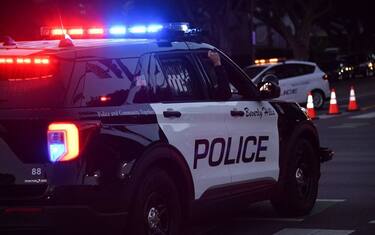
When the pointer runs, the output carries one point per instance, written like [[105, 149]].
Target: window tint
[[23, 87], [112, 82], [230, 75], [281, 71], [180, 81], [254, 71], [290, 70], [303, 69]]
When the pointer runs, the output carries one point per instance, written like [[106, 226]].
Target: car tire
[[298, 187], [318, 99], [157, 208]]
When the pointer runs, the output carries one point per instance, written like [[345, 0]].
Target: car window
[[304, 69], [289, 70], [33, 87], [253, 71], [238, 82], [179, 80], [281, 71], [112, 82]]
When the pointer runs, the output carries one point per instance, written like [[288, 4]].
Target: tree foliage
[[226, 22], [294, 20]]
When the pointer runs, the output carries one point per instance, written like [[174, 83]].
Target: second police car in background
[[134, 129], [296, 79]]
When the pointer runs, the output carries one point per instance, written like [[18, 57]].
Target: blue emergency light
[[117, 31]]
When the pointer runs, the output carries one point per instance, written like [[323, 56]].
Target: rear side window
[[30, 85], [111, 82], [180, 82], [290, 70], [304, 69]]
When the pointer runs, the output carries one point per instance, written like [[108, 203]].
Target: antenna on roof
[[8, 41], [66, 41], [61, 22]]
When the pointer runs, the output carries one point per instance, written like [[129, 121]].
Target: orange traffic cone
[[310, 107], [333, 106], [352, 106]]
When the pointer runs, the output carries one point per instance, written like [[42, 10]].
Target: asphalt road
[[346, 200]]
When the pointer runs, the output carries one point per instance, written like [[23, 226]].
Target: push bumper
[[325, 154]]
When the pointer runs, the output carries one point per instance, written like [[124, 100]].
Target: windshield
[[252, 72]]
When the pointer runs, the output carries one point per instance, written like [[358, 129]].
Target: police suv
[[296, 79], [137, 128]]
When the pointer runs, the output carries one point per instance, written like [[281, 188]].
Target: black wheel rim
[[157, 215], [317, 100], [304, 173]]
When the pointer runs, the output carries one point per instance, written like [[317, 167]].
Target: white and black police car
[[117, 124], [295, 78]]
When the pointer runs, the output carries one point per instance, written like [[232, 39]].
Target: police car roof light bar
[[268, 61], [117, 30], [132, 31]]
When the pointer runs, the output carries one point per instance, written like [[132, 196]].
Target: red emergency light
[[74, 32], [21, 68], [95, 31], [24, 60], [117, 31]]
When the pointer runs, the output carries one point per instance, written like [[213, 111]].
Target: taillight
[[63, 142]]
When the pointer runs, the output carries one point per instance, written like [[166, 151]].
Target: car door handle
[[237, 113], [171, 113]]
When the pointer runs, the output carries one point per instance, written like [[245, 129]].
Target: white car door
[[286, 75], [253, 144], [294, 82], [191, 123], [301, 81]]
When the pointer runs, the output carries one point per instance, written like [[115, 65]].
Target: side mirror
[[271, 78], [268, 90]]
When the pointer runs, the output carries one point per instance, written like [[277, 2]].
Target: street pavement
[[346, 200]]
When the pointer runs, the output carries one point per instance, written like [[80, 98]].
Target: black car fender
[[305, 130], [168, 158]]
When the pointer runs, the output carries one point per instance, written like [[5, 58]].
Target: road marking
[[321, 205], [326, 116], [364, 116], [272, 219], [349, 125], [372, 222], [330, 200], [302, 231], [368, 107]]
